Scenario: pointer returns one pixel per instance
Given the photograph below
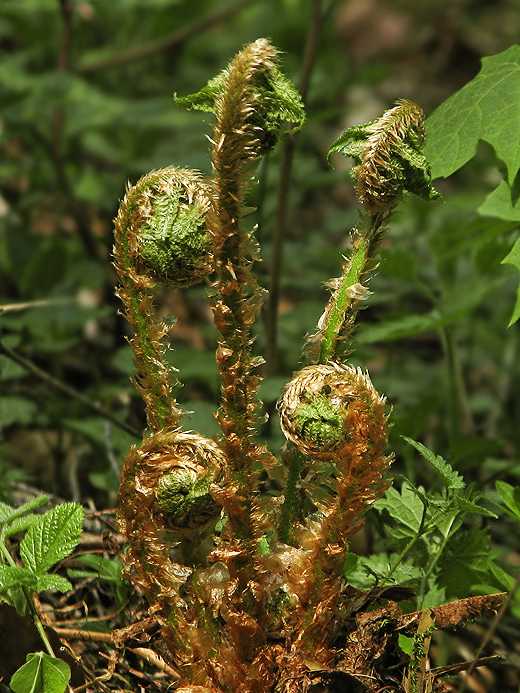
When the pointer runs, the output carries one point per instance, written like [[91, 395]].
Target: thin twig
[[65, 389], [316, 22], [178, 38], [63, 66], [78, 634], [154, 659]]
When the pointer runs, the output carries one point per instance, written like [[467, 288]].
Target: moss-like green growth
[[184, 500], [318, 421], [174, 242]]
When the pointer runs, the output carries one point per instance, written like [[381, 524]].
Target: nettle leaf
[[511, 496], [378, 566], [406, 508], [465, 562], [461, 503], [41, 673], [52, 539], [450, 478], [486, 108], [16, 576]]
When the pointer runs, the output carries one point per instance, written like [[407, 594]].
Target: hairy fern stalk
[[252, 596]]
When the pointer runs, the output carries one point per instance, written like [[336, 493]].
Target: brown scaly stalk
[[236, 295], [330, 412], [161, 237], [249, 595]]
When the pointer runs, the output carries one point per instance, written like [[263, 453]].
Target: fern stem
[[237, 296], [292, 502], [156, 379], [344, 303]]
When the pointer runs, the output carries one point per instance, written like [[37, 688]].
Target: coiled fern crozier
[[252, 599]]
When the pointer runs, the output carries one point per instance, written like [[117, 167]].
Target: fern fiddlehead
[[271, 573]]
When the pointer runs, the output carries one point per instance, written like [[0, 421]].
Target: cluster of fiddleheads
[[247, 587]]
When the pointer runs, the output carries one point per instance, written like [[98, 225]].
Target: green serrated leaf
[[14, 576], [52, 582], [52, 539], [451, 478], [105, 568], [406, 508], [5, 512], [465, 561], [513, 258], [468, 506], [510, 495], [20, 524], [486, 108], [41, 674], [8, 514]]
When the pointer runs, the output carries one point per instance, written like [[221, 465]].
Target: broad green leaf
[[450, 477], [510, 495], [513, 258], [41, 674], [14, 576], [8, 514], [378, 566], [16, 598], [18, 410], [505, 580], [500, 204], [105, 568], [52, 539], [486, 108], [464, 562], [405, 508], [5, 512]]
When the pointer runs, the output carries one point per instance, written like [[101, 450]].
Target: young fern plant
[[252, 596]]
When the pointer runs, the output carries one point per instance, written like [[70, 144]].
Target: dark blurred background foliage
[[86, 104]]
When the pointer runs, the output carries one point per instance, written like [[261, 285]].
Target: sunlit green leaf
[[510, 496], [513, 258], [41, 674], [450, 477], [52, 539], [14, 576], [486, 108], [405, 508]]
